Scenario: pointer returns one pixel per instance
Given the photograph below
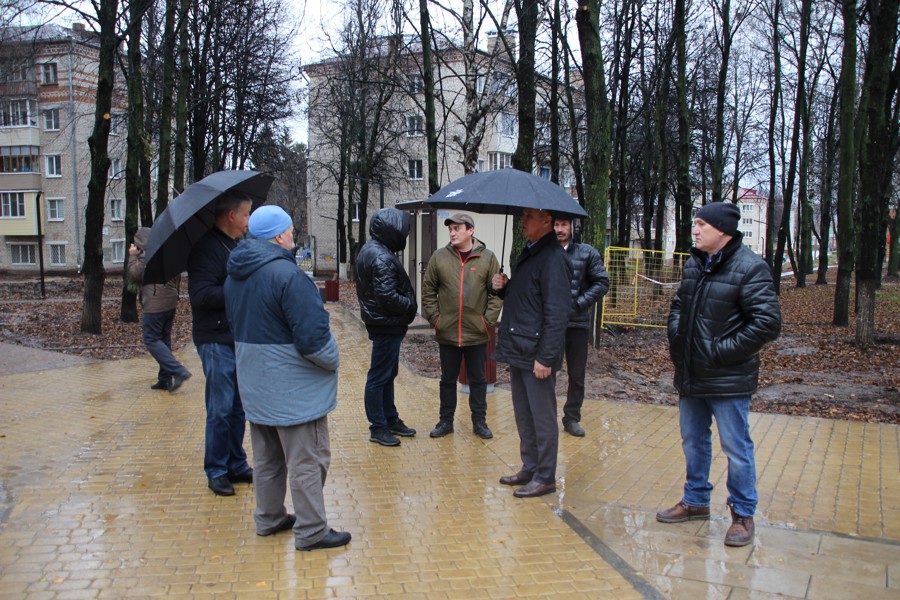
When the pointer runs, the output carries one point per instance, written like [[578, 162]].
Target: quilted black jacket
[[589, 283], [720, 318], [387, 302]]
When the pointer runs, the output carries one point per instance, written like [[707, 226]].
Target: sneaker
[[481, 429], [741, 531], [177, 381], [162, 384], [398, 427], [682, 512], [441, 429], [383, 436]]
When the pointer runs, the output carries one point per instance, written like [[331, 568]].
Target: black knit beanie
[[724, 216]]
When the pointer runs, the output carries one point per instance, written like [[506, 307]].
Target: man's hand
[[540, 371], [499, 281]]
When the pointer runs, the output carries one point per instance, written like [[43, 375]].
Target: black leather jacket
[[387, 303], [722, 315], [589, 283], [206, 286], [536, 305]]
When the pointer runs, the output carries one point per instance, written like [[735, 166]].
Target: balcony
[[19, 89]]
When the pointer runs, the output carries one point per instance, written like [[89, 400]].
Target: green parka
[[452, 288]]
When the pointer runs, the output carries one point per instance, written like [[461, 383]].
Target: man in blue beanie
[[725, 310], [287, 361]]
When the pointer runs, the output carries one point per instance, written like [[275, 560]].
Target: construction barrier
[[641, 286]]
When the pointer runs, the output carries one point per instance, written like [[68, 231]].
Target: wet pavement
[[102, 495]]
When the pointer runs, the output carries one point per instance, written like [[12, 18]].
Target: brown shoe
[[741, 531], [682, 512], [520, 478], [533, 489]]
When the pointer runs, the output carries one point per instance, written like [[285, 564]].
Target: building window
[[13, 72], [57, 253], [55, 210], [118, 251], [748, 221], [51, 119], [48, 73], [508, 124], [22, 254], [54, 165], [115, 168], [500, 160], [481, 165], [415, 125], [565, 178], [115, 209], [19, 159], [12, 205], [116, 123], [354, 211], [416, 83], [414, 169], [747, 234], [479, 84], [747, 207], [17, 113], [544, 172]]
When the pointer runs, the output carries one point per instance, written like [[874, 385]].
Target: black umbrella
[[190, 215], [506, 192]]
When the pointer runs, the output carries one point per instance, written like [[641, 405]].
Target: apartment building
[[48, 83]]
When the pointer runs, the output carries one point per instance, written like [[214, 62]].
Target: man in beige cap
[[458, 301]]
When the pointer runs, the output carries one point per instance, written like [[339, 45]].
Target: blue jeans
[[732, 421], [383, 368], [156, 330], [225, 421]]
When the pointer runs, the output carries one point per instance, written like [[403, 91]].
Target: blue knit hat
[[724, 216], [268, 221]]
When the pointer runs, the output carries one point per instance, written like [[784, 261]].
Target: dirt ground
[[813, 369]]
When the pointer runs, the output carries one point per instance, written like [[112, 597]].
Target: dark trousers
[[534, 404], [383, 367], [156, 330], [451, 361], [576, 362]]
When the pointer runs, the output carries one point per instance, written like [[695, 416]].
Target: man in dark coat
[[387, 305], [725, 310], [225, 461], [531, 339], [589, 284]]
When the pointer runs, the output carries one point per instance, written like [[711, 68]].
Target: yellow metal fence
[[641, 286]]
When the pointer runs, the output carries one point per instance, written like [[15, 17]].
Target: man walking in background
[[225, 461], [458, 301], [589, 284], [387, 305], [725, 310], [158, 303], [287, 363]]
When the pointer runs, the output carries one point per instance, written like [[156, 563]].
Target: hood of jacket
[[141, 236], [251, 254], [390, 227]]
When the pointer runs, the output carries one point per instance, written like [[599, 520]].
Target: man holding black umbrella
[[225, 461], [531, 341]]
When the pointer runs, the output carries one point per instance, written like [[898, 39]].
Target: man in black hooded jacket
[[387, 305]]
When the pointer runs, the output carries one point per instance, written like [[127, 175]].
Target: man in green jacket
[[458, 301]]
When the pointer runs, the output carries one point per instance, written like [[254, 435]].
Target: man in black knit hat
[[725, 310]]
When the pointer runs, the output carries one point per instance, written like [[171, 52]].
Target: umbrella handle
[[503, 248]]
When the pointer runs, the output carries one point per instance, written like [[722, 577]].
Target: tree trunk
[[800, 108], [773, 121], [827, 188], [428, 80], [875, 166], [894, 248], [683, 189], [846, 226], [181, 111], [128, 312], [719, 144], [528, 15], [556, 35], [98, 143], [587, 19], [168, 106]]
